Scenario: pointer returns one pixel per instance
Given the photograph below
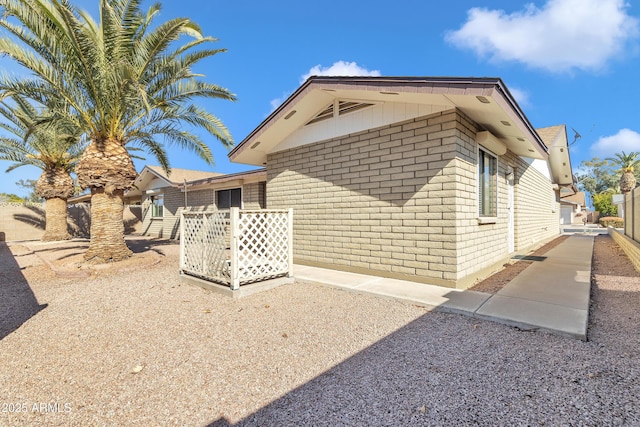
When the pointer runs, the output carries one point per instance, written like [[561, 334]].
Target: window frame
[[230, 189], [157, 209], [487, 214]]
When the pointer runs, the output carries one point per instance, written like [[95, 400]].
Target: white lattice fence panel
[[262, 245], [204, 245]]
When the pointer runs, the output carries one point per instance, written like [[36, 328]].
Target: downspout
[[185, 194]]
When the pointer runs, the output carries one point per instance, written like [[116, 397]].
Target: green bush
[[603, 202], [612, 221]]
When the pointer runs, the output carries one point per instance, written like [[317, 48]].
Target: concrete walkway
[[550, 295]]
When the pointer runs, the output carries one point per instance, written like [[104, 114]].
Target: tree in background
[[52, 146], [128, 80], [603, 203], [30, 186], [597, 176], [627, 167], [10, 198]]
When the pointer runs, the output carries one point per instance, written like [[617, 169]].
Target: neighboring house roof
[[579, 198], [555, 138], [240, 178], [487, 101], [194, 180], [549, 134], [179, 176], [83, 198], [176, 178]]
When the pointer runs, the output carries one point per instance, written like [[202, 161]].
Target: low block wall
[[629, 246], [20, 221]]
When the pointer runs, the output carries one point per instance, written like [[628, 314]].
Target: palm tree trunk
[[56, 220], [55, 185], [627, 182], [107, 227], [106, 168]]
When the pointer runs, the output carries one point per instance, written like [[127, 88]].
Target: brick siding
[[254, 196], [399, 201], [169, 225]]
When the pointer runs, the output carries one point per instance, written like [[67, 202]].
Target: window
[[487, 183], [231, 198], [157, 206]]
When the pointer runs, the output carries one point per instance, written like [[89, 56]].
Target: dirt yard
[[128, 344]]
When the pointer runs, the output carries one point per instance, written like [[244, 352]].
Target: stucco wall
[[27, 221], [401, 201]]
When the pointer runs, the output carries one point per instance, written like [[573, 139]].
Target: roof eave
[[456, 86], [254, 175]]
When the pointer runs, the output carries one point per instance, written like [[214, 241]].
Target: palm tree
[[54, 148], [626, 164], [128, 82]]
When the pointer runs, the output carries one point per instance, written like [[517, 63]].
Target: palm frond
[[124, 77]]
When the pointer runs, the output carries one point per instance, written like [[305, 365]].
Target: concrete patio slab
[[551, 283], [576, 250], [326, 276], [536, 315], [445, 299]]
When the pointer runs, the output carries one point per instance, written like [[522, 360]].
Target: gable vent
[[343, 107], [323, 115]]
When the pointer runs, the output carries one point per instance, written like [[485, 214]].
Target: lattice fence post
[[202, 239], [182, 241], [290, 240], [235, 249]]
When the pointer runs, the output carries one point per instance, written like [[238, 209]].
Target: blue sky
[[566, 61]]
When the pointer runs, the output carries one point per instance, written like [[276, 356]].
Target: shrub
[[603, 202], [612, 221]]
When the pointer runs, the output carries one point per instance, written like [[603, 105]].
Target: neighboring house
[[573, 208], [164, 196], [437, 180], [618, 201], [572, 202]]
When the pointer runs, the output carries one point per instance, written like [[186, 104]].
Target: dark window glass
[[231, 198]]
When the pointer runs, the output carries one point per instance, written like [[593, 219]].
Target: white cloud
[[521, 96], [625, 140], [340, 68], [275, 103], [561, 36]]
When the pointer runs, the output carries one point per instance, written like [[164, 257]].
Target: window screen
[[231, 198]]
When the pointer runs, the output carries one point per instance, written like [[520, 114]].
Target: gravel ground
[[132, 346]]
